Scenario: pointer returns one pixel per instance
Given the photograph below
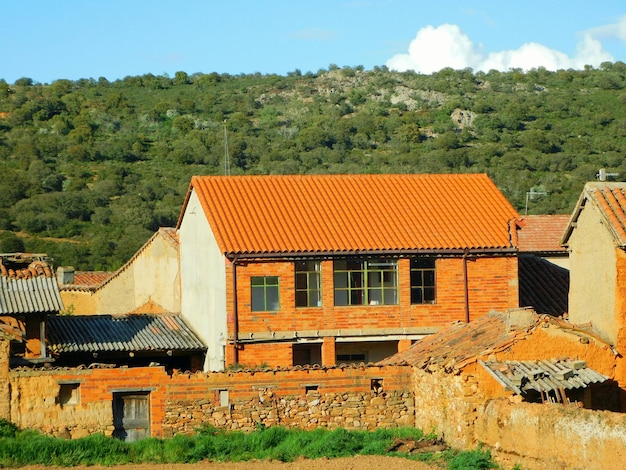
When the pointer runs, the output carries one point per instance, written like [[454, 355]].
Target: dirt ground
[[350, 463], [360, 462]]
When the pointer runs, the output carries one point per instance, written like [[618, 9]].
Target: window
[[223, 397], [69, 393], [422, 280], [359, 357], [366, 282], [308, 284], [264, 294]]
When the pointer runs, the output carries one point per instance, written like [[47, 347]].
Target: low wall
[[556, 436], [447, 405], [357, 397]]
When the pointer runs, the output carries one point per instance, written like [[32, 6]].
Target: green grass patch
[[19, 448]]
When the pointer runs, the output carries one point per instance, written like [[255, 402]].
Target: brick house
[[327, 269]]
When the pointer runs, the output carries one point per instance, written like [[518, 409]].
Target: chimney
[[65, 275]]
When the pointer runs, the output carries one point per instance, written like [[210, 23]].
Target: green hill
[[92, 168]]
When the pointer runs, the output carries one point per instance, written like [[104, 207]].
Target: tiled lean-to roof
[[610, 201], [106, 333], [352, 213], [455, 346], [542, 233]]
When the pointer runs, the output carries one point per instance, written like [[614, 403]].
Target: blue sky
[[72, 39]]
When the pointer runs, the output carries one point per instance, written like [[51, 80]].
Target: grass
[[28, 447]]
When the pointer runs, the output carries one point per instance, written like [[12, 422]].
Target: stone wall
[[356, 397], [353, 410]]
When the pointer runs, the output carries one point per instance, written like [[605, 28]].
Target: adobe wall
[[298, 397], [554, 436], [447, 405], [4, 379]]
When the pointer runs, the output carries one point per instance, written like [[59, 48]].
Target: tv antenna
[[532, 194], [226, 157]]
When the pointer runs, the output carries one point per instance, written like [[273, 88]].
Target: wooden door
[[131, 416]]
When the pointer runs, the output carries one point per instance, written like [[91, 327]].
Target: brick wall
[[492, 285], [361, 397]]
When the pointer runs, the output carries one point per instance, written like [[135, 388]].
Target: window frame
[[265, 286], [423, 280], [312, 278], [365, 281]]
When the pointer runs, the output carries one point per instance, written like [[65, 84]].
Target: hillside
[[92, 168]]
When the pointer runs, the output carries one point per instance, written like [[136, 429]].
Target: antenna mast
[[226, 157]]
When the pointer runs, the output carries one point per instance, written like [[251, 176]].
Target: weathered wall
[[150, 277], [559, 436], [4, 380], [447, 404], [181, 403], [593, 274]]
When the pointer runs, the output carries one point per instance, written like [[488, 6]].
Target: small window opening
[[310, 388], [69, 394], [377, 386], [224, 399]]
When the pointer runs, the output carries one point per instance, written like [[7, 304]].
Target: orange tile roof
[[542, 233], [91, 278], [610, 200], [350, 213]]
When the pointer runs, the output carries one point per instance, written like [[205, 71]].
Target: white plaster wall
[[593, 274], [203, 282]]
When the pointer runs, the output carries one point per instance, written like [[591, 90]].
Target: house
[[327, 269], [147, 283], [516, 355], [29, 294], [596, 240]]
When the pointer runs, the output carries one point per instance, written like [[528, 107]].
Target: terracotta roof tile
[[610, 200], [347, 213], [542, 233], [91, 278], [460, 344]]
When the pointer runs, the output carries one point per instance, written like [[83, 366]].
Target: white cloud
[[435, 48]]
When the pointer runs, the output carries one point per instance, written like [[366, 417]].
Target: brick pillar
[[404, 344], [5, 390], [328, 351]]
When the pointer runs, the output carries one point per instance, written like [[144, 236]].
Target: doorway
[[131, 415]]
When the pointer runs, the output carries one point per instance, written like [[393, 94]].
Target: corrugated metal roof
[[39, 294], [543, 376], [107, 333], [346, 213]]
